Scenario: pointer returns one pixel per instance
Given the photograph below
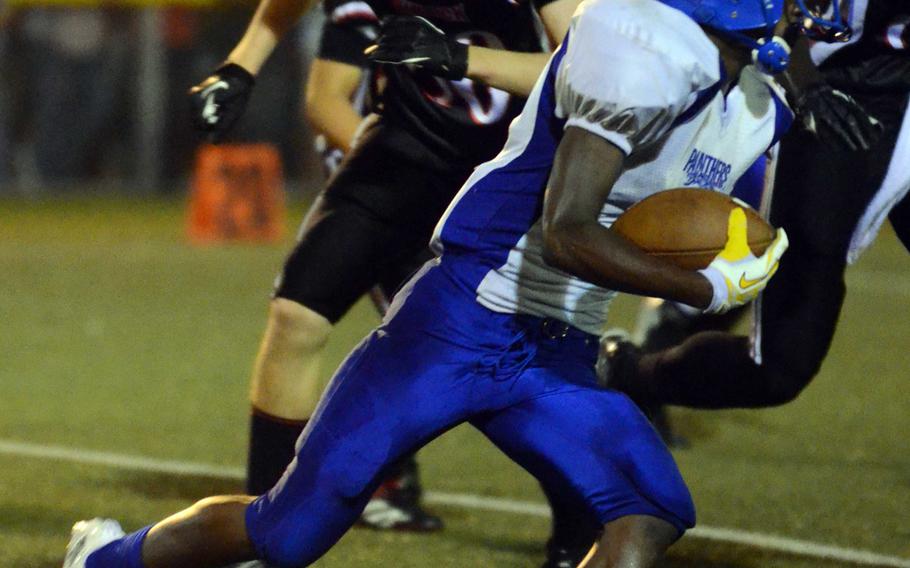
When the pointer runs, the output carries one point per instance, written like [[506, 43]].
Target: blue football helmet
[[770, 53]]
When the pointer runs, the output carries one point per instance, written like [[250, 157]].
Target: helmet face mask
[[826, 20], [742, 20]]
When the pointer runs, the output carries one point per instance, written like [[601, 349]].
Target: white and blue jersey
[[646, 78]]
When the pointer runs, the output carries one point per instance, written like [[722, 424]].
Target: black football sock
[[272, 441]]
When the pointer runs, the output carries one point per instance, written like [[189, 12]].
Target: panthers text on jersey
[[646, 78]]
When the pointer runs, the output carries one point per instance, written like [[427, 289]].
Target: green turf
[[118, 336]]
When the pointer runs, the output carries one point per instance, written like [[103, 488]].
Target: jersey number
[[484, 105]]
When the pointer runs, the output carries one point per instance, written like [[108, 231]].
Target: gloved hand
[[736, 274], [835, 118], [220, 100], [412, 40]]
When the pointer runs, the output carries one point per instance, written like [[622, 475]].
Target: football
[[688, 226]]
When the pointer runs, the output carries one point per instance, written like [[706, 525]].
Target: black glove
[[835, 118], [412, 40], [220, 100]]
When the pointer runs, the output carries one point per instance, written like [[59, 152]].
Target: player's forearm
[[335, 119], [511, 71], [801, 73], [584, 172], [273, 19], [596, 254]]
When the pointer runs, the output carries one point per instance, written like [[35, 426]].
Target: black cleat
[[558, 557]]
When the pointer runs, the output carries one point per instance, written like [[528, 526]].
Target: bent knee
[[213, 509], [634, 540], [297, 327], [289, 537], [785, 386]]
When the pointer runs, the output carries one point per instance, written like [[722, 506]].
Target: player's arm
[[272, 20], [610, 112], [415, 41], [827, 112], [514, 71], [585, 168], [219, 101], [584, 171], [329, 90]]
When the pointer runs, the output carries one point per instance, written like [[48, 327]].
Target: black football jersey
[[463, 121], [349, 28], [878, 59]]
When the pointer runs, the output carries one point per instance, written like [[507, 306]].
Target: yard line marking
[[496, 504], [467, 501], [798, 547], [120, 461]]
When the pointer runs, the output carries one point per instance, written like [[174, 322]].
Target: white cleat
[[87, 537]]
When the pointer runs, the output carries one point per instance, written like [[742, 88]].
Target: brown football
[[688, 227]]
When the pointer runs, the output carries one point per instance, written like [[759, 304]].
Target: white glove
[[736, 274]]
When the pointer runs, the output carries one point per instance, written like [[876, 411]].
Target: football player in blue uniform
[[500, 330], [434, 120]]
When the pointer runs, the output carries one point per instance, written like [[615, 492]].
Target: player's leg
[[633, 541], [820, 194], [573, 528], [716, 369], [400, 388], [397, 501], [597, 443], [594, 443], [408, 382], [377, 212], [329, 269]]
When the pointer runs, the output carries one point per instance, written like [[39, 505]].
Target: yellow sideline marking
[[107, 3], [463, 500]]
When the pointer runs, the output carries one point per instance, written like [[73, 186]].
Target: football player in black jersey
[[832, 192], [469, 64]]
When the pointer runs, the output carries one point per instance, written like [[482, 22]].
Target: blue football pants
[[441, 359]]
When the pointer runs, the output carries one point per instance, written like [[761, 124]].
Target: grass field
[[119, 337]]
